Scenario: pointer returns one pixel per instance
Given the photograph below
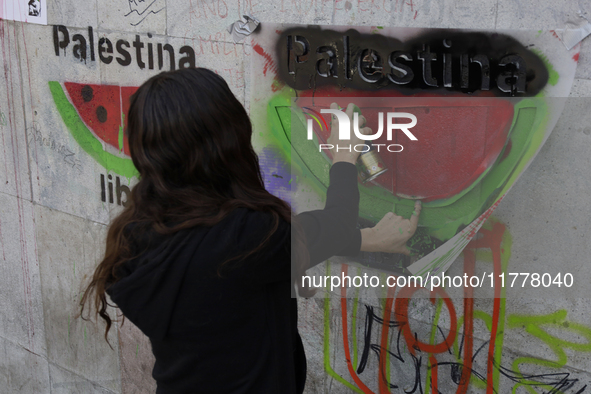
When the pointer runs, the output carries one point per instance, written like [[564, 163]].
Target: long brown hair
[[190, 140]]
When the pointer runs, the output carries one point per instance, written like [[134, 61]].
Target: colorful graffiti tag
[[445, 355]]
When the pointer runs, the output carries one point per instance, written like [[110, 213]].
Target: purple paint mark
[[276, 174]]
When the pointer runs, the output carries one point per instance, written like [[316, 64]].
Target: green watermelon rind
[[85, 138]]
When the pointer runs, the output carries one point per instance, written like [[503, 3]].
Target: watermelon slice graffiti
[[460, 185], [94, 115]]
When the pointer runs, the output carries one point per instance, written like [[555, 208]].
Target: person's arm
[[332, 231]]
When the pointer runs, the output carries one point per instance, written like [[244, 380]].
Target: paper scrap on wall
[[31, 11]]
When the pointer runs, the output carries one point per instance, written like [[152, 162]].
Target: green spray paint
[[121, 133], [552, 74], [534, 325]]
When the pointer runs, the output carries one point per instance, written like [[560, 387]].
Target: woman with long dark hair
[[200, 258]]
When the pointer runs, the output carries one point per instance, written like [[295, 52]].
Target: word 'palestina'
[[155, 54], [450, 60]]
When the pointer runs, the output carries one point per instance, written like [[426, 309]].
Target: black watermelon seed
[[101, 114], [87, 93]]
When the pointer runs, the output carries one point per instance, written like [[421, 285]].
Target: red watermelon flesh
[[101, 108], [458, 140]]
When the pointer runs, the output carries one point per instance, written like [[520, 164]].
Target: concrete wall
[[55, 206]]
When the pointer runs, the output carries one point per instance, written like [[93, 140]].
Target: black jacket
[[236, 333]]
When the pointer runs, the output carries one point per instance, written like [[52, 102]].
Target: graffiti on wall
[[483, 107], [35, 134], [85, 48], [386, 347], [394, 346], [95, 118], [148, 52], [139, 10], [454, 61], [94, 114]]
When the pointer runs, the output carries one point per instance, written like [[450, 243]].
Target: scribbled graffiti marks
[[443, 355], [34, 134], [408, 368], [139, 10]]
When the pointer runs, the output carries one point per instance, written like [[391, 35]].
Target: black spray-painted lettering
[[145, 53], [440, 60], [121, 192]]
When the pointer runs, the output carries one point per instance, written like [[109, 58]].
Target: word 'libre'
[[120, 190]]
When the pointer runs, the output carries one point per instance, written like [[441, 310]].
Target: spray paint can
[[370, 164]]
